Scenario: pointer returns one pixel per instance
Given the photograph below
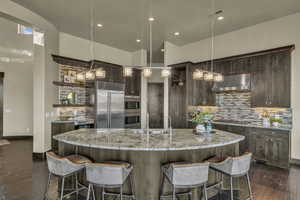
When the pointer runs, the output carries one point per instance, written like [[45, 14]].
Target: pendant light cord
[[212, 27], [92, 32], [150, 44]]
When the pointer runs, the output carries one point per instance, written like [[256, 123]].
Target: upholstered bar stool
[[64, 167], [185, 176], [109, 175], [234, 167]]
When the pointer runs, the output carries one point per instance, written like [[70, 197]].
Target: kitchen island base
[[147, 173]]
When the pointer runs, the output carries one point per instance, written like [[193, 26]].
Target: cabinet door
[[259, 81], [278, 151], [280, 76], [200, 91], [258, 146]]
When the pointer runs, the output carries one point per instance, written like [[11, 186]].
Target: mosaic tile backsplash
[[237, 107]]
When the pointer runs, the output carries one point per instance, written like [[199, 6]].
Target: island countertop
[[128, 139]]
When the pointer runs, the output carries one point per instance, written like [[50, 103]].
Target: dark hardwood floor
[[21, 178]]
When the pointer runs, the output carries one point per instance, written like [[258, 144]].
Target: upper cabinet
[[199, 92], [271, 80], [133, 83]]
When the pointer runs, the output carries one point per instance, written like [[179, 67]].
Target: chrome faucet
[[170, 126], [147, 123]]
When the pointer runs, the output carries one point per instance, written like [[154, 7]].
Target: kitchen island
[[147, 152]]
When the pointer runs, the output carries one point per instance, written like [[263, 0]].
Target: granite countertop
[[76, 122], [283, 128], [126, 139]]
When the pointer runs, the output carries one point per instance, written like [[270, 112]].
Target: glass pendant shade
[[198, 74], [90, 75], [100, 73], [218, 78], [208, 76], [128, 71], [147, 72], [165, 73], [80, 77]]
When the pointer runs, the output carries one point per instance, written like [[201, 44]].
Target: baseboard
[[295, 162], [39, 156], [18, 137]]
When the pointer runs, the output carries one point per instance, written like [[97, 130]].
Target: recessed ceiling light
[[220, 18], [176, 33], [99, 25], [138, 40], [151, 19]]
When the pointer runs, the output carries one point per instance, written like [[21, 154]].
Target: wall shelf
[[71, 105], [80, 85]]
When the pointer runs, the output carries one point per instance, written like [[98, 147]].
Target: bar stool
[[109, 175], [185, 176], [64, 167], [234, 167]]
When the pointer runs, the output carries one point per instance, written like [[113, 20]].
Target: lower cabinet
[[269, 146], [58, 128]]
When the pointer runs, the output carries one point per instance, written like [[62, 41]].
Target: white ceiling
[[126, 20]]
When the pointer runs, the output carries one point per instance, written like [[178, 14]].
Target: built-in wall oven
[[132, 112]]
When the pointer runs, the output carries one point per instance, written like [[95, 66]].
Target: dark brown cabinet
[[269, 146], [199, 91], [58, 128], [271, 79], [133, 84]]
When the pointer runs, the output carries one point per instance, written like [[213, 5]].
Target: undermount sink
[[151, 131]]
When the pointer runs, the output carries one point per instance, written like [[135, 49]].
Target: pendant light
[[198, 74], [80, 77], [165, 73], [127, 71]]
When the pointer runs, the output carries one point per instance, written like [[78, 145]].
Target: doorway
[[156, 105]]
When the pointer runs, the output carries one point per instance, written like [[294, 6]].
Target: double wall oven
[[132, 112]]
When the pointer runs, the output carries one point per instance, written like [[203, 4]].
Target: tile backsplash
[[83, 96], [236, 106]]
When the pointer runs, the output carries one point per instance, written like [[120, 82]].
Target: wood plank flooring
[[21, 178]]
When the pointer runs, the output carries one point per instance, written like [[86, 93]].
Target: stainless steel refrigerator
[[109, 105]]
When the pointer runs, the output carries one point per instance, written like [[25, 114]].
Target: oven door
[[132, 121], [129, 105]]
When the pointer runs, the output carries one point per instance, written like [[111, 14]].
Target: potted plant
[[203, 121], [275, 122]]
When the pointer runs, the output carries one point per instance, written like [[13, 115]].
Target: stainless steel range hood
[[240, 82]]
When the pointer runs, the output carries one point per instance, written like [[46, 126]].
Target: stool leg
[[131, 186], [93, 192], [204, 192], [161, 189], [62, 188], [249, 185], [231, 188], [76, 185], [121, 192], [88, 192], [174, 193], [102, 194], [47, 187]]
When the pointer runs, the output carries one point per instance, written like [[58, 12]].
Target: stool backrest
[[107, 173], [60, 166], [189, 174], [241, 164]]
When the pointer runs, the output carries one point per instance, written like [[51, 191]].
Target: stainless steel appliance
[[132, 112], [109, 105], [239, 83]]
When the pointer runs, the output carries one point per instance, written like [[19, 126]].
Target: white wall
[[75, 47], [267, 35], [17, 85], [45, 71]]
